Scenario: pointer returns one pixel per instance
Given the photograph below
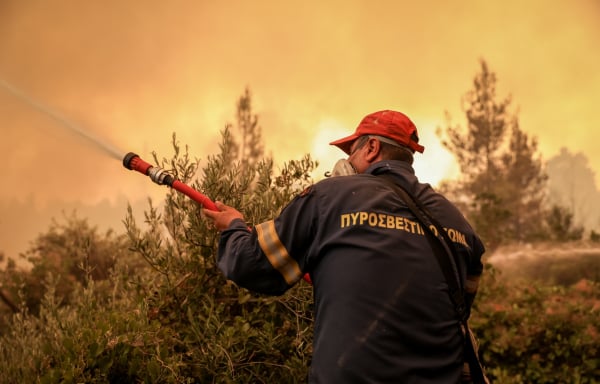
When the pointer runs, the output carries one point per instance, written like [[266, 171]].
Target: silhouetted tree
[[502, 178], [246, 147], [524, 182], [560, 225]]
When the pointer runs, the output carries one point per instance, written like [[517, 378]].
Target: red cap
[[391, 124]]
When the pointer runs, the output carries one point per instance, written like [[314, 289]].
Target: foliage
[[69, 250], [90, 340], [502, 178], [559, 222], [525, 181], [224, 332], [534, 333], [248, 147]]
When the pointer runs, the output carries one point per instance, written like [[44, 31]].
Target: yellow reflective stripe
[[278, 256]]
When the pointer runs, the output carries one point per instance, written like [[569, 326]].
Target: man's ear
[[373, 150]]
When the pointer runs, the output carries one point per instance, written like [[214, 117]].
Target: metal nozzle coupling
[[156, 174], [160, 176]]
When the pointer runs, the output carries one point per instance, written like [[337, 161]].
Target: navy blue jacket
[[382, 310]]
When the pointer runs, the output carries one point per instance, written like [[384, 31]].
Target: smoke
[[131, 73]]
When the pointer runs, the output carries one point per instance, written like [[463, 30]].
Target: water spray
[[61, 120], [161, 177], [130, 161]]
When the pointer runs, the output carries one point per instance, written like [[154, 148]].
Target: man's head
[[381, 135]]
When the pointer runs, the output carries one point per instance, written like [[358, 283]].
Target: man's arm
[[240, 256], [241, 259]]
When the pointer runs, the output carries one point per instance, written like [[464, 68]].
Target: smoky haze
[[131, 73]]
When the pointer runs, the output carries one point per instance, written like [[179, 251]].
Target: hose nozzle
[[158, 175], [127, 160]]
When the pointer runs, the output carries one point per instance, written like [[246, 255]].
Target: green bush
[[73, 251], [79, 342], [223, 333], [534, 333]]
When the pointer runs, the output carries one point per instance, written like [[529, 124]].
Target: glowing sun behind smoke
[[328, 130], [436, 163]]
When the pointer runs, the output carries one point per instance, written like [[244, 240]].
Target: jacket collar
[[404, 172]]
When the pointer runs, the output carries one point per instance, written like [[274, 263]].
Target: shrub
[[534, 333], [223, 333]]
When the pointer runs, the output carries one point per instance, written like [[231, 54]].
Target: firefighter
[[382, 309]]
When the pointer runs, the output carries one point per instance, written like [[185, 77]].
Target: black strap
[[447, 257], [443, 247]]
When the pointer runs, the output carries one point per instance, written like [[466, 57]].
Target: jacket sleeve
[[270, 258], [241, 260]]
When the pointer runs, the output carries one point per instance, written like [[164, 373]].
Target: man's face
[[357, 151]]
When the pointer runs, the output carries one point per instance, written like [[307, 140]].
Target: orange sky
[[133, 72]]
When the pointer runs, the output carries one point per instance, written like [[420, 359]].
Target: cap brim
[[345, 144]]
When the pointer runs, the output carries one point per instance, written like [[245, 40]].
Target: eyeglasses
[[362, 140], [358, 144]]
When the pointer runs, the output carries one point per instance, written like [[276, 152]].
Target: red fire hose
[[161, 177]]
